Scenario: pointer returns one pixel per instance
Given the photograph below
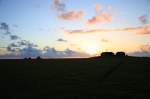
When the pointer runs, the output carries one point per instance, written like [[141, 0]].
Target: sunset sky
[[73, 28]]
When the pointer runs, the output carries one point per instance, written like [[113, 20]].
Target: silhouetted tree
[[120, 54], [107, 54]]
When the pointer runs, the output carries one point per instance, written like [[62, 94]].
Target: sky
[[73, 28]]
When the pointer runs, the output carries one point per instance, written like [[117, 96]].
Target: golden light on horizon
[[91, 48]]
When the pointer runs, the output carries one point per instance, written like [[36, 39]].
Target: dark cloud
[[69, 52], [6, 31], [19, 45], [23, 43], [61, 40], [24, 49], [5, 27], [14, 37], [12, 47], [50, 52], [31, 50], [21, 48], [53, 53], [143, 19], [59, 5]]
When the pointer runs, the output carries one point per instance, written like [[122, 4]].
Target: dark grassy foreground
[[93, 78]]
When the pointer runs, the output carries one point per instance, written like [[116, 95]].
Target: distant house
[[107, 54], [120, 54]]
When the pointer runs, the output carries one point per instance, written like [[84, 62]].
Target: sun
[[92, 48]]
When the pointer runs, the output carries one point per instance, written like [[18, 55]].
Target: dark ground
[[93, 78]]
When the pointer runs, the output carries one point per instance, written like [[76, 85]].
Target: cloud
[[71, 15], [12, 47], [23, 43], [47, 52], [5, 27], [143, 52], [98, 8], [30, 51], [61, 40], [142, 30], [9, 48], [50, 52], [6, 31], [64, 14], [145, 47], [143, 19], [59, 5], [67, 53], [14, 37], [23, 48], [100, 16], [105, 40]]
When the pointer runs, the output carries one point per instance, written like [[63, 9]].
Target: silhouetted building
[[107, 54], [120, 54]]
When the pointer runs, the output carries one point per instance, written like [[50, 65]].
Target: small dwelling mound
[[120, 54], [38, 58], [107, 54]]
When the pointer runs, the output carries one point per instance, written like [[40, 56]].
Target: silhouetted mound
[[25, 58], [38, 58], [107, 54], [120, 54]]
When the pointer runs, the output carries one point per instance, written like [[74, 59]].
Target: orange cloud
[[71, 15], [138, 30], [65, 14], [100, 17], [97, 8]]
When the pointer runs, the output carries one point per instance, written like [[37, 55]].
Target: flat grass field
[[91, 78]]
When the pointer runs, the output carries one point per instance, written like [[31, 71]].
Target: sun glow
[[91, 48]]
